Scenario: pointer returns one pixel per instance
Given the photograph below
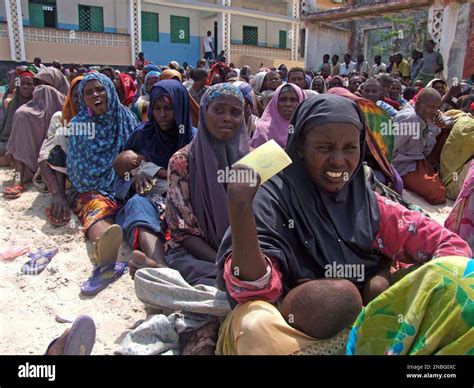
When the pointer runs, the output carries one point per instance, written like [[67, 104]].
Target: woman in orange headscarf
[[171, 74], [52, 157]]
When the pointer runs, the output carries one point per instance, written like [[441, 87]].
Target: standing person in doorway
[[208, 47]]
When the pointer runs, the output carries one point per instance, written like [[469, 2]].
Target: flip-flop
[[102, 277], [39, 260], [81, 338], [13, 192], [47, 213], [107, 247]]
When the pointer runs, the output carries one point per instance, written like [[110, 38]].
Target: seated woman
[[196, 205], [167, 130], [379, 142], [318, 84], [23, 94], [336, 82], [90, 163], [460, 219], [264, 84], [126, 89], [53, 169], [315, 220], [275, 121], [140, 107], [29, 129], [457, 152]]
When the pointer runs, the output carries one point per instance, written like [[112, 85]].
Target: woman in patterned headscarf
[[101, 130], [140, 107]]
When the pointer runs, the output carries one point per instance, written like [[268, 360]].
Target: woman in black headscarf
[[315, 220]]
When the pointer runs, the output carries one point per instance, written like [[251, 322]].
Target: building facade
[[371, 27], [114, 31]]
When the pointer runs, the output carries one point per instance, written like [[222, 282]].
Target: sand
[[36, 309]]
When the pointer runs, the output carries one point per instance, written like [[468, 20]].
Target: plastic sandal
[[39, 260], [102, 277], [13, 192], [81, 338], [48, 215]]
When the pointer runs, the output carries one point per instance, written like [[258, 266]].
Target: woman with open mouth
[[276, 261], [90, 159]]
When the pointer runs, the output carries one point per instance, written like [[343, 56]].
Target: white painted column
[[15, 30], [295, 30], [223, 30], [450, 20], [135, 28]]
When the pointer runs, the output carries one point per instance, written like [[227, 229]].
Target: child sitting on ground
[[153, 183], [322, 308]]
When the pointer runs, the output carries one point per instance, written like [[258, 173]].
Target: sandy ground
[[34, 306]]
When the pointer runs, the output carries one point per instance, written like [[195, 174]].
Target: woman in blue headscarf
[[97, 134], [149, 149], [140, 107]]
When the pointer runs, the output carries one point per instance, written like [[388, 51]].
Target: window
[[282, 42], [150, 30], [42, 13], [250, 35], [91, 18], [179, 29]]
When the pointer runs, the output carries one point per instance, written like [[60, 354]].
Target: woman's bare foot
[[57, 347], [139, 260]]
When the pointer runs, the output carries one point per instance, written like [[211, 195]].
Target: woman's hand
[[141, 183], [242, 190]]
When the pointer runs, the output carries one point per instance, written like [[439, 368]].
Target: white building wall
[[68, 13], [236, 33], [321, 40]]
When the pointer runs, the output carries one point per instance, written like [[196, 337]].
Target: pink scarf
[[272, 125]]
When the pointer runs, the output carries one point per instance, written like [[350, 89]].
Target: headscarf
[[207, 155], [248, 93], [53, 77], [258, 81], [170, 74], [272, 125], [430, 84], [149, 140], [89, 161], [30, 125], [379, 144], [68, 110], [129, 87], [151, 67], [32, 69], [14, 104], [151, 74], [218, 68], [322, 79], [326, 228]]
